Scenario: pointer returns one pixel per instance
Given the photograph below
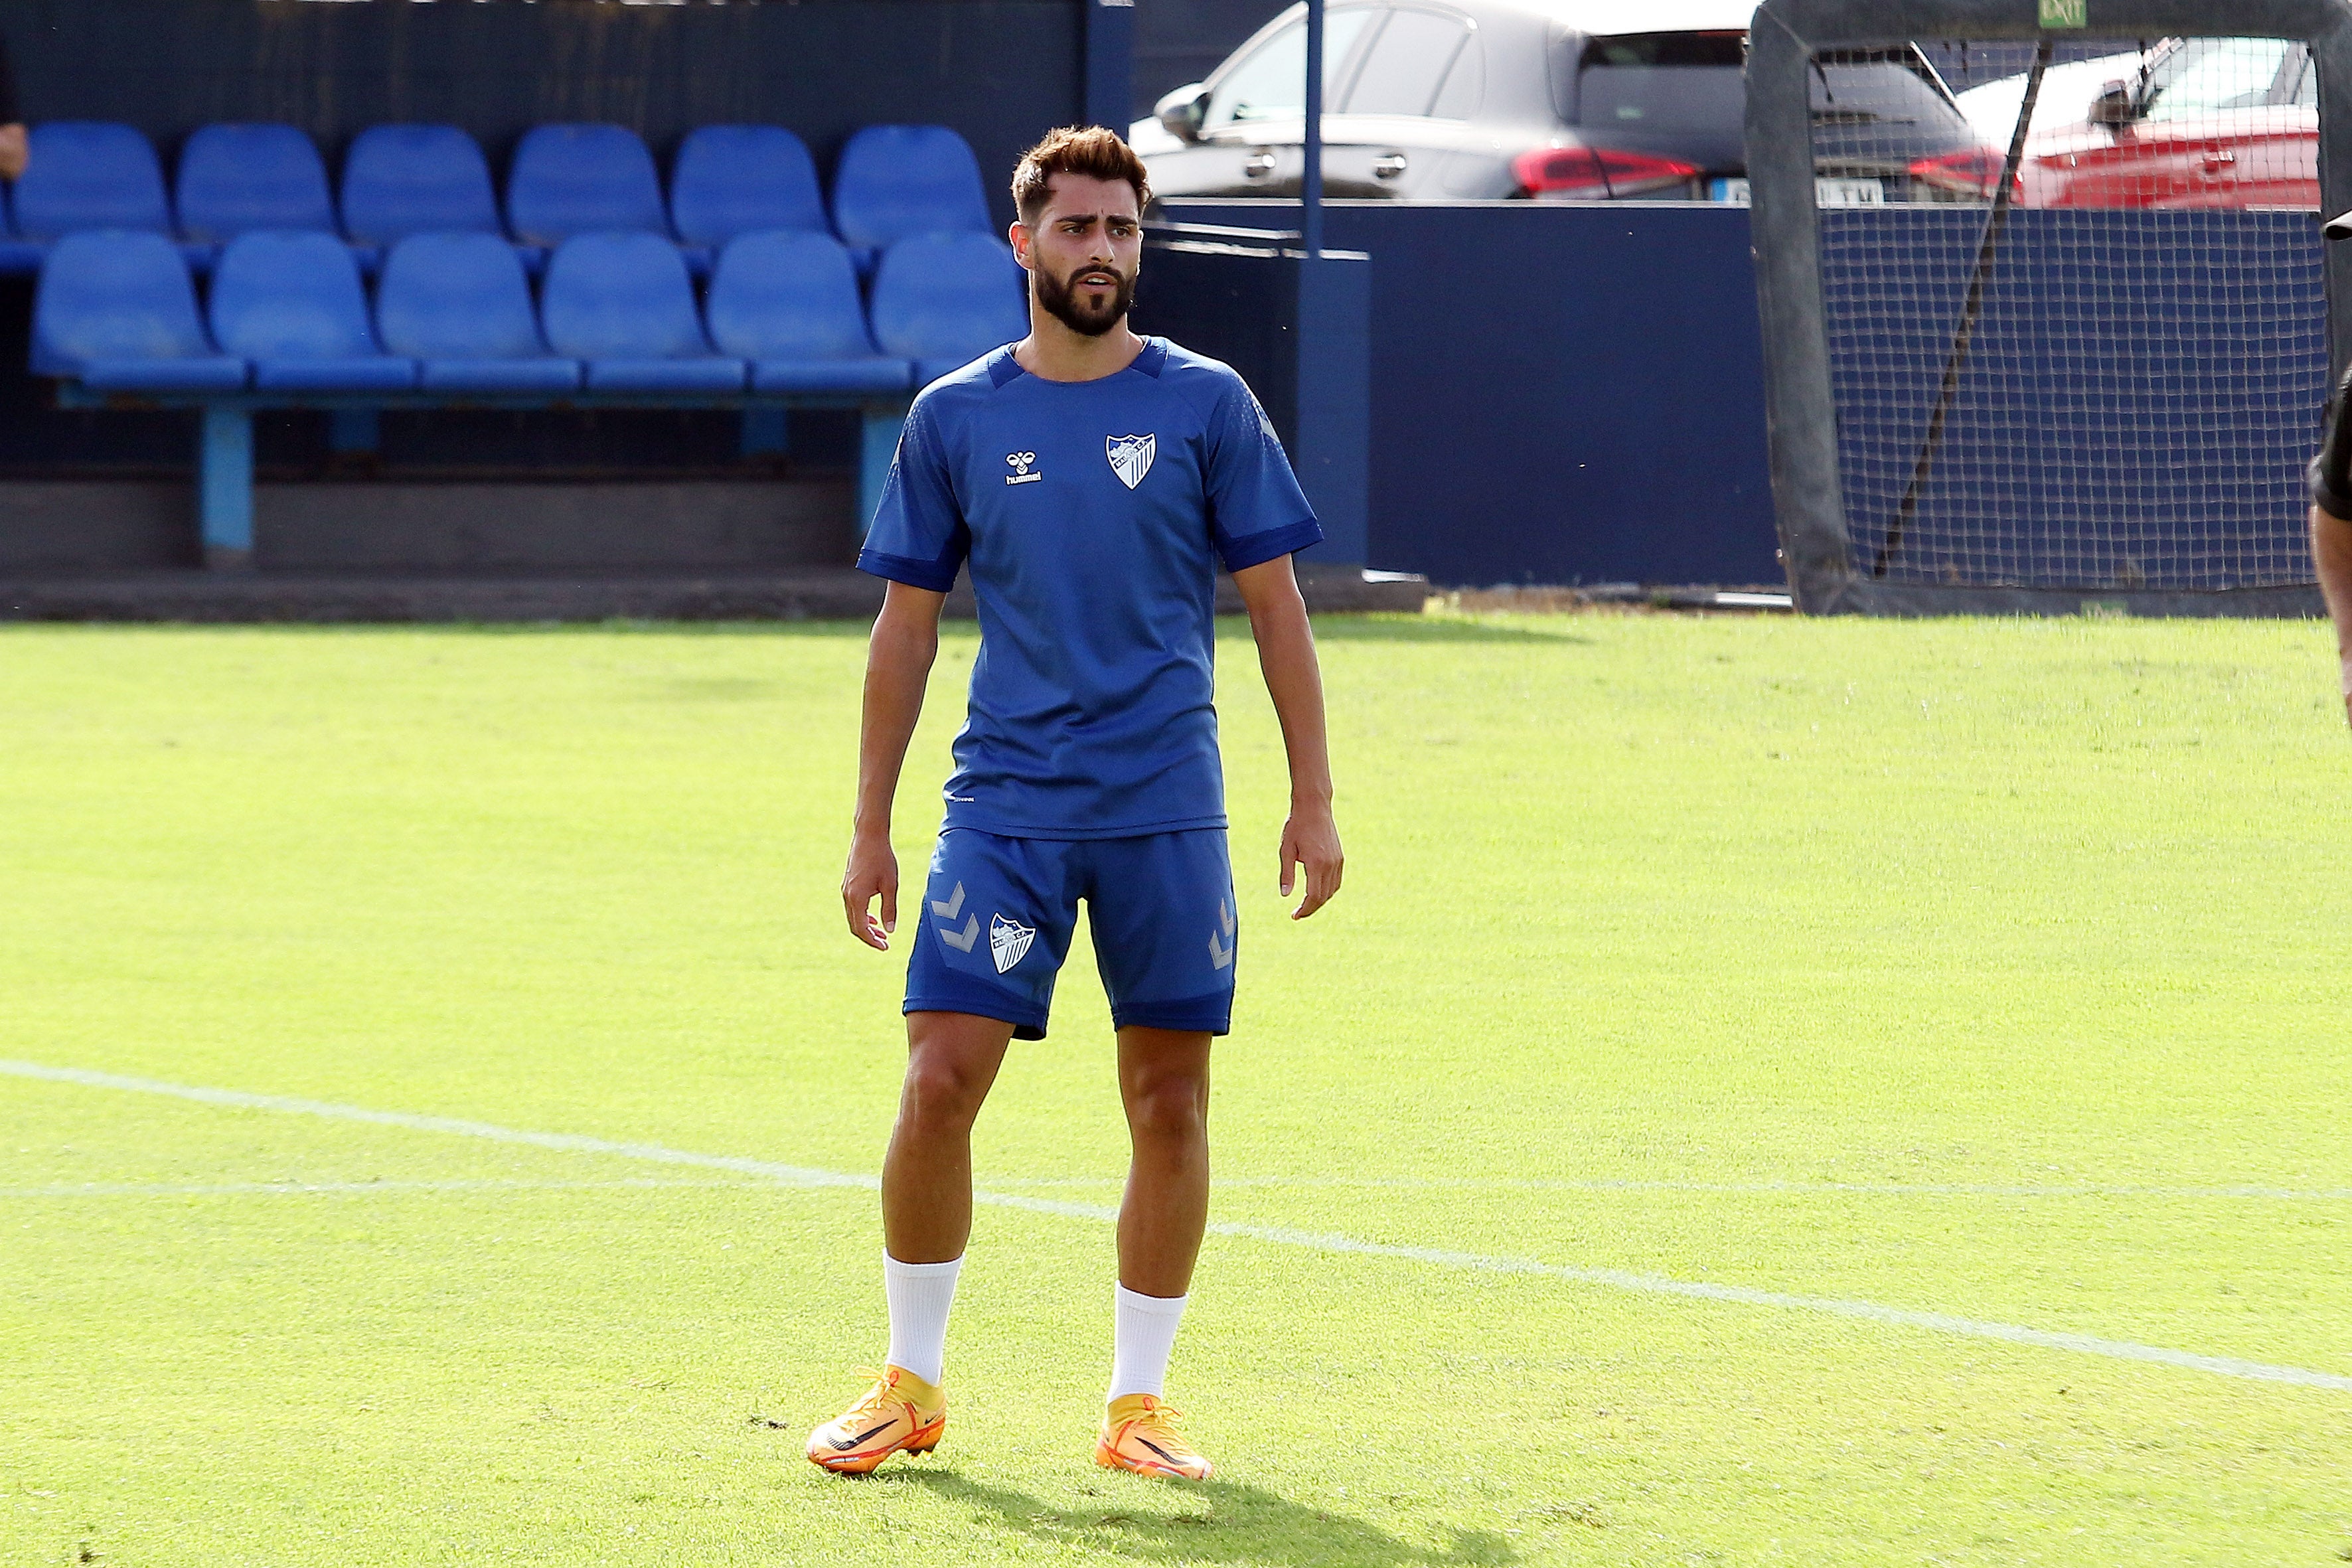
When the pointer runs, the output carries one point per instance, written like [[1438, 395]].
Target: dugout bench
[[225, 440]]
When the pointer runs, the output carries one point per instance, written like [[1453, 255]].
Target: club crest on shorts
[[1130, 456], [1007, 940]]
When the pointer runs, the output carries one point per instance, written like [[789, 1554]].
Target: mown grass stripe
[[1729, 1189], [806, 1176], [330, 1189]]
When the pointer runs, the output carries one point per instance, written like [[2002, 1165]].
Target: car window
[[2209, 76], [1407, 64], [1880, 88], [2306, 86], [1270, 82], [1466, 84], [1677, 81]]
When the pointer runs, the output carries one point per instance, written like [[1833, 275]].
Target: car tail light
[[1974, 174], [1597, 173]]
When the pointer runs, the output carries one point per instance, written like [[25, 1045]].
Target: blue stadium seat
[[116, 311], [85, 174], [899, 180], [788, 303], [459, 304], [292, 304], [623, 303], [571, 180], [242, 179], [400, 179], [734, 180], [944, 300]]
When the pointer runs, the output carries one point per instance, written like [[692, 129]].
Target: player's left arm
[[1285, 655], [2331, 550]]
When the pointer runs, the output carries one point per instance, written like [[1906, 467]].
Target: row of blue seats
[[894, 181], [454, 316]]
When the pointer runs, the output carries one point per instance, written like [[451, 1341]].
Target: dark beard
[[1061, 301]]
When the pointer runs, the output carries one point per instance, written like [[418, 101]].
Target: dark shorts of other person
[[997, 915]]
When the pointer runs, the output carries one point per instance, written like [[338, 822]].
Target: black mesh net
[[2077, 314]]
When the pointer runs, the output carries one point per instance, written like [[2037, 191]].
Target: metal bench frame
[[224, 444]]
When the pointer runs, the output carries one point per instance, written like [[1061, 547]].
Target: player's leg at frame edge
[[2331, 518]]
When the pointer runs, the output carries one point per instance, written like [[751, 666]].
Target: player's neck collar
[[1003, 368]]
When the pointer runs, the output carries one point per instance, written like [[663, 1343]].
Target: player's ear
[[1017, 236]]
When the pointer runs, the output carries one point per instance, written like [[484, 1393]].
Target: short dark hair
[[1091, 150]]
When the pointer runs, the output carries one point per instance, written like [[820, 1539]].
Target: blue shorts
[[997, 915]]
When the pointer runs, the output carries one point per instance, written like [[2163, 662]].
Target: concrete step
[[817, 593]]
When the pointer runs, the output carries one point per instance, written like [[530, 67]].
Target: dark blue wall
[[1001, 71], [1560, 393]]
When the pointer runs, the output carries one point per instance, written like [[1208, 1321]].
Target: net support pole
[[1956, 363], [1800, 405]]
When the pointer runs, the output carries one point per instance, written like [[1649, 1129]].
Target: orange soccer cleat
[[1139, 1434], [900, 1411]]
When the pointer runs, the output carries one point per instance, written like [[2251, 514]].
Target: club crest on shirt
[[1130, 456], [1008, 941]]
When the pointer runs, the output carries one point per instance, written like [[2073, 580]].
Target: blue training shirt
[[1088, 511]]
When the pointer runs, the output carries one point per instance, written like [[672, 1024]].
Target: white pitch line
[[805, 1176], [1871, 1311], [563, 1142], [1735, 1189], [306, 1189]]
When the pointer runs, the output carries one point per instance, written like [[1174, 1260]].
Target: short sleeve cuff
[[934, 577], [1258, 549]]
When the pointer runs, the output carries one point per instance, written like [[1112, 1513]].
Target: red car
[[2208, 122]]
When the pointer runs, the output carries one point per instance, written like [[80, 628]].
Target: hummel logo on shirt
[[1020, 463]]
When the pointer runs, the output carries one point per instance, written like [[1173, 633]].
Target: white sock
[[919, 1295], [1143, 1330]]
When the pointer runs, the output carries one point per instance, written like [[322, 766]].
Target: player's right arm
[[917, 541], [2331, 527], [2331, 550], [898, 668]]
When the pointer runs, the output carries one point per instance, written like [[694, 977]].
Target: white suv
[[1570, 100]]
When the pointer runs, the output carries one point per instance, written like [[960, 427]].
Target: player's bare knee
[[942, 1092], [1169, 1107]]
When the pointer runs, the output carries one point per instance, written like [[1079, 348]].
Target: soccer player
[[2331, 512], [1091, 479]]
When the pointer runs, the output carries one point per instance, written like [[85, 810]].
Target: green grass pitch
[[1995, 969]]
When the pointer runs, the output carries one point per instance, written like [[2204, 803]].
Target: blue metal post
[[766, 433], [225, 486], [1110, 63], [877, 449], [1311, 186]]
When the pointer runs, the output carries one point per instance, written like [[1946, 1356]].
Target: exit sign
[[2073, 13]]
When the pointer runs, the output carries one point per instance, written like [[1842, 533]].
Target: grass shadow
[[1206, 1521]]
